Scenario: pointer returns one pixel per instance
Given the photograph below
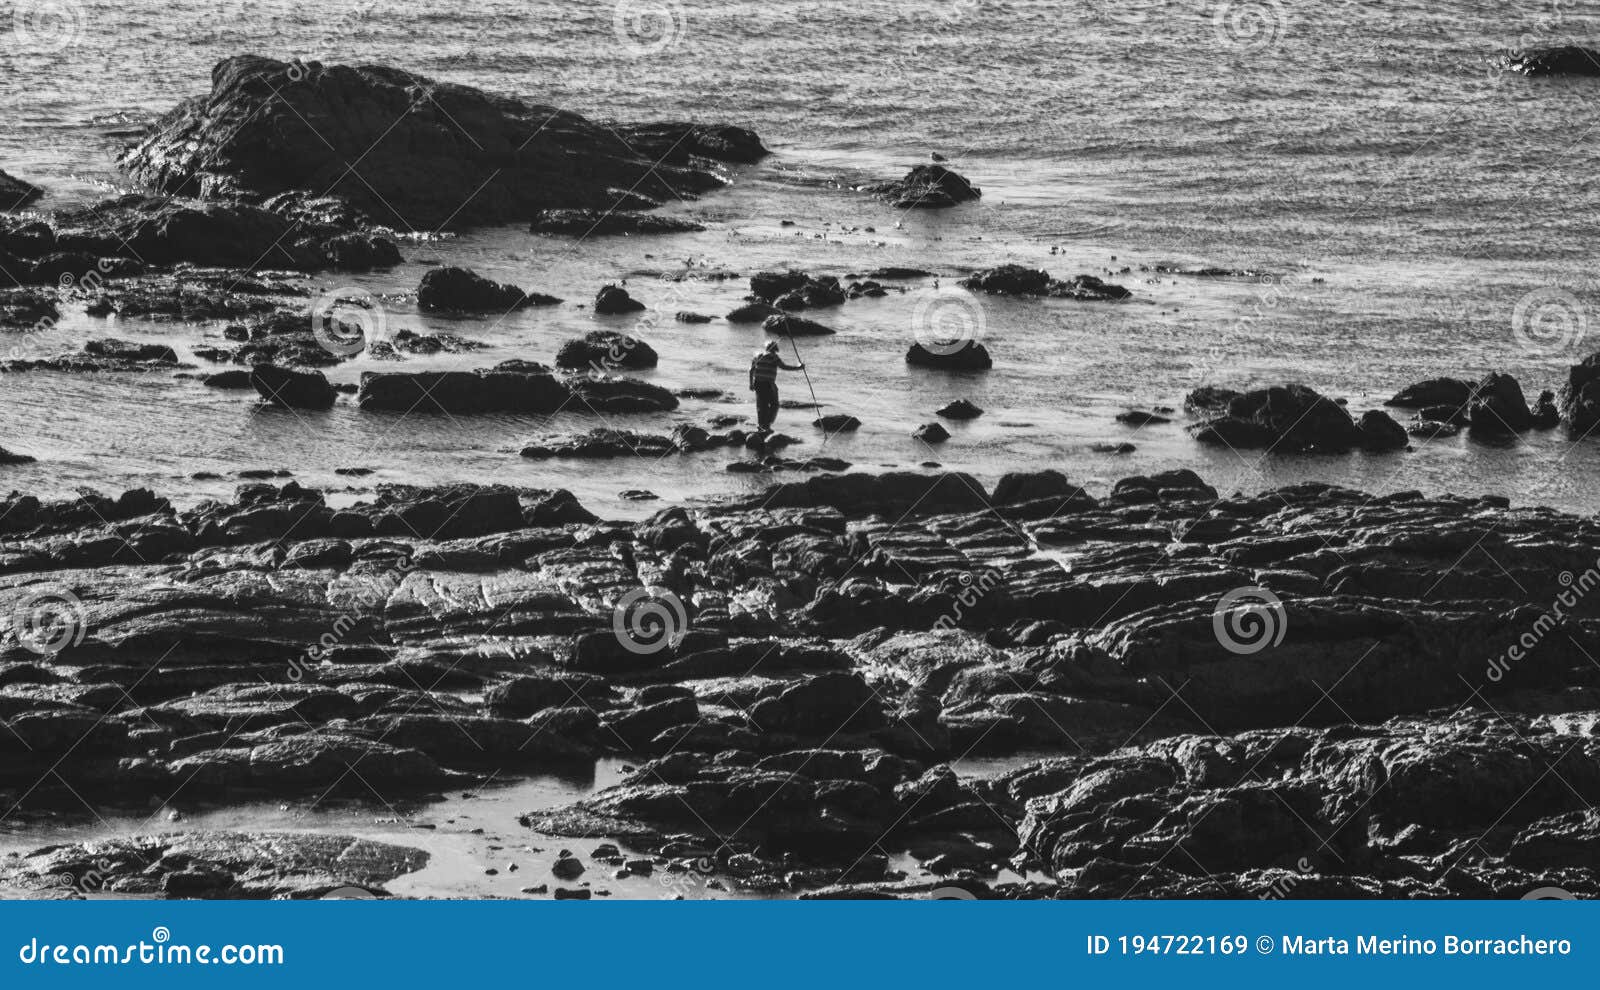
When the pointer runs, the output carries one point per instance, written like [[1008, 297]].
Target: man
[[764, 383]]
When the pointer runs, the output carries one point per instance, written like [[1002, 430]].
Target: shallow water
[[464, 833], [1404, 198]]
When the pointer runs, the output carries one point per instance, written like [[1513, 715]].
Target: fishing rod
[[801, 361]]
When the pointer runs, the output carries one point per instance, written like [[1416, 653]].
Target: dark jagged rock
[[1017, 280], [1498, 406], [1454, 392], [753, 313], [9, 458], [1360, 811], [464, 291], [1379, 432], [509, 390], [606, 351], [837, 423], [680, 142], [1009, 280], [1564, 60], [838, 639], [1088, 288], [15, 194], [461, 392], [683, 316], [293, 389], [971, 356], [611, 394], [194, 295], [431, 153], [927, 186], [605, 443], [1288, 418], [208, 864], [165, 231], [615, 301], [794, 326], [27, 308], [1546, 414], [1580, 396], [960, 409], [594, 223], [1139, 417], [931, 433]]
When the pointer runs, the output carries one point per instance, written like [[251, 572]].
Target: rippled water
[[1403, 196]]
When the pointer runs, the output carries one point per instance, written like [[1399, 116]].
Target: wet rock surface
[[459, 290], [927, 187], [598, 223], [235, 865], [792, 676]]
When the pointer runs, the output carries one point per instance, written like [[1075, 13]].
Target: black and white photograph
[[908, 450]]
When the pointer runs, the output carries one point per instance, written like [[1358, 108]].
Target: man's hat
[[772, 347]]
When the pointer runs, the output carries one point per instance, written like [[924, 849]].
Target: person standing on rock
[[764, 383]]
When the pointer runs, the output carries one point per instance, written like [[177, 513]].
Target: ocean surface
[[1397, 208]]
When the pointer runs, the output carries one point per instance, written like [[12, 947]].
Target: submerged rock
[[1017, 280], [960, 409], [592, 223], [1564, 60], [431, 153], [837, 423], [461, 392], [794, 326]]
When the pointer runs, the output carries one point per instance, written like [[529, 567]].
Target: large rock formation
[[412, 152]]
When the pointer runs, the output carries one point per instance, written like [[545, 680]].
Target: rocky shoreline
[[849, 685], [1404, 703]]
